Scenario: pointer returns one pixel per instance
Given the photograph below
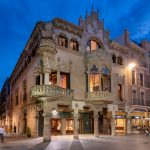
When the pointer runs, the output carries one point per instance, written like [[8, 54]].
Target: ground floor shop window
[[69, 126], [55, 126], [120, 125]]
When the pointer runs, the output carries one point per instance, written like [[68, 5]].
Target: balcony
[[50, 91], [143, 64], [141, 103], [100, 96]]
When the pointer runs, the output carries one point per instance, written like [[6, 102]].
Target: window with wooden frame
[[74, 45], [62, 41]]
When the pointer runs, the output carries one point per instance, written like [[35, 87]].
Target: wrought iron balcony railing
[[50, 91]]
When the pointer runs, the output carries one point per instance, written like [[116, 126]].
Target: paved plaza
[[85, 142]]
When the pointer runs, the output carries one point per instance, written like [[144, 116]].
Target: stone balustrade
[[50, 91], [100, 95]]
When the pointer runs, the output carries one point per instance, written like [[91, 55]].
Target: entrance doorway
[[40, 124]]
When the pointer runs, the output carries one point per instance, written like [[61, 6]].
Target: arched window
[[94, 79], [62, 41], [74, 45], [105, 79], [120, 60], [114, 58], [92, 45]]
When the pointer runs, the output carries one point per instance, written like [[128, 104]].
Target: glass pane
[[53, 78], [94, 82], [63, 81], [106, 83], [94, 45]]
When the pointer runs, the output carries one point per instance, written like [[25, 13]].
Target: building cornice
[[117, 47], [34, 37], [67, 26]]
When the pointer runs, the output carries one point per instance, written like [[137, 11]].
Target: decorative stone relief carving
[[120, 79], [64, 67], [99, 58], [114, 82]]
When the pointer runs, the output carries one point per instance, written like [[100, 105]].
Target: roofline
[[26, 46]]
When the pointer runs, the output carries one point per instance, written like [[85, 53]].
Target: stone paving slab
[[85, 142]]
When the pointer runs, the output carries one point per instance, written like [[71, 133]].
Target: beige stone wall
[[17, 110], [77, 73], [31, 120]]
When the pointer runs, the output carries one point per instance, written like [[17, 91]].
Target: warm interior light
[[132, 65]]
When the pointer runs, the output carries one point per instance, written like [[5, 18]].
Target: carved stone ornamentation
[[99, 58]]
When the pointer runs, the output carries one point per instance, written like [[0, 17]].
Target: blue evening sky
[[18, 18]]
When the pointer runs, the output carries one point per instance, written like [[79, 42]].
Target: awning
[[147, 119], [139, 114]]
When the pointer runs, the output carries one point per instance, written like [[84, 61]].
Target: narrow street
[[85, 142]]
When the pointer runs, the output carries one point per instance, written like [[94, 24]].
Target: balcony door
[[64, 79]]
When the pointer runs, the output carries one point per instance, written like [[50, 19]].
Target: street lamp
[[132, 65]]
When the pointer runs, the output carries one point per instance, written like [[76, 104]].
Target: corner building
[[73, 79]]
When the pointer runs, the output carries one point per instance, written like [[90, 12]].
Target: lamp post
[[132, 65]]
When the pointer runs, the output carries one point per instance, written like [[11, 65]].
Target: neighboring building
[[4, 106], [74, 79]]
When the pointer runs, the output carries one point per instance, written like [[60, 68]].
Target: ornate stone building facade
[[73, 79]]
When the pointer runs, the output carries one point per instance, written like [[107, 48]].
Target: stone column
[[113, 126], [58, 78], [76, 126], [88, 78], [96, 127], [46, 78], [63, 126], [36, 124], [47, 124], [128, 126], [128, 110], [100, 82], [41, 80]]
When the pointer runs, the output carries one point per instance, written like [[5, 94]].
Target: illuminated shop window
[[74, 45], [69, 125], [92, 45], [62, 41], [94, 79], [55, 126]]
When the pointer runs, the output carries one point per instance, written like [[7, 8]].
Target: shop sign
[[120, 117]]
